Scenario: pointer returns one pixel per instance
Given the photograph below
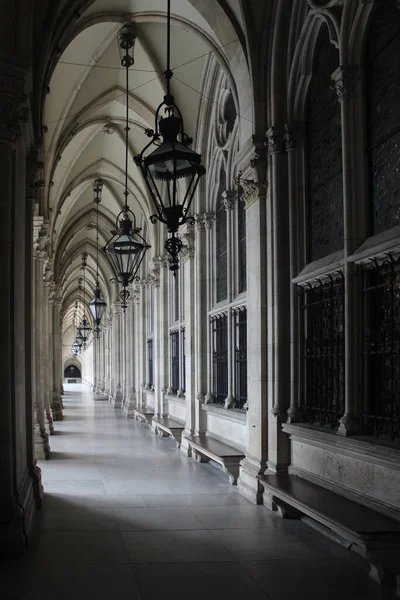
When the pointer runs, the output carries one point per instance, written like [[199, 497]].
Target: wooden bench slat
[[168, 423], [215, 446], [340, 510]]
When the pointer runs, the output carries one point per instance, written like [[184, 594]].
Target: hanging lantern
[[170, 161], [97, 305], [126, 248]]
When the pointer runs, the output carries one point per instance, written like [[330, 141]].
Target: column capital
[[344, 81], [275, 140], [13, 100], [204, 221], [228, 199]]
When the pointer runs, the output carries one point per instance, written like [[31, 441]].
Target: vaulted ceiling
[[84, 112]]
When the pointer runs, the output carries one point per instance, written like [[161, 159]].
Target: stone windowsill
[[355, 447], [181, 400], [378, 246], [318, 268], [230, 414]]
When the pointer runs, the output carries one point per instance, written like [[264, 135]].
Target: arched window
[[324, 154], [221, 243], [383, 100]]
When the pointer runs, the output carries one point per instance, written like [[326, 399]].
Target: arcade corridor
[[125, 515]]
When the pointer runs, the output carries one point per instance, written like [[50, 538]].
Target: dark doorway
[[72, 371]]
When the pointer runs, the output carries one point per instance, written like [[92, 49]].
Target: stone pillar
[[188, 265], [141, 344], [47, 343], [278, 277], [116, 357], [16, 468], [161, 313], [228, 199], [253, 182], [130, 400], [203, 225], [345, 79], [56, 340], [41, 438]]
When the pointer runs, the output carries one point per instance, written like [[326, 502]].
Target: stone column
[[188, 265], [253, 182], [228, 199], [346, 79], [41, 438], [116, 358], [17, 484], [203, 224], [46, 335], [163, 333], [56, 340], [141, 345], [278, 277], [130, 400]]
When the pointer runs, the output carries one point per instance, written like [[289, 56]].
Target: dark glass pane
[[219, 333], [381, 350], [324, 154], [322, 399], [383, 93], [240, 318], [241, 243], [221, 244], [176, 297], [150, 373], [175, 360]]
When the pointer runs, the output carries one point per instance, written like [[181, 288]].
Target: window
[[383, 94], [241, 213], [322, 401], [221, 244], [183, 360], [175, 361], [240, 322], [219, 334], [176, 296], [150, 373], [324, 154], [380, 293]]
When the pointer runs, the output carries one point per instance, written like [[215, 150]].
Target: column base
[[248, 484], [116, 400], [100, 396], [184, 448], [56, 409], [348, 425], [16, 521]]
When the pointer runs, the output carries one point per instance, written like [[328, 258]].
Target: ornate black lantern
[[126, 248], [97, 305], [171, 160], [84, 328]]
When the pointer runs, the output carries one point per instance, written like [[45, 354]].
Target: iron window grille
[[322, 389], [240, 323], [219, 337], [150, 368], [380, 293], [183, 360], [175, 361]]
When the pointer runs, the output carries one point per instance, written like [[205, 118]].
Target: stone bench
[[206, 448], [371, 534], [165, 426], [144, 414]]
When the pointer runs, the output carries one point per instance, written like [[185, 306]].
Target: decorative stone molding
[[291, 136], [208, 398], [204, 221], [187, 237], [322, 4], [275, 140], [228, 199], [108, 129], [344, 81], [154, 275]]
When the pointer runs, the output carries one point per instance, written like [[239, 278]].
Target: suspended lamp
[[126, 248], [171, 160], [84, 328], [97, 305]]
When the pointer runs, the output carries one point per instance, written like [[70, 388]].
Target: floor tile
[[152, 519], [219, 517], [78, 519], [173, 547], [60, 501], [81, 547], [203, 581], [195, 500], [118, 487]]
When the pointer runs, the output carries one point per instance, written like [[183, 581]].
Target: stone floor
[[126, 516]]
